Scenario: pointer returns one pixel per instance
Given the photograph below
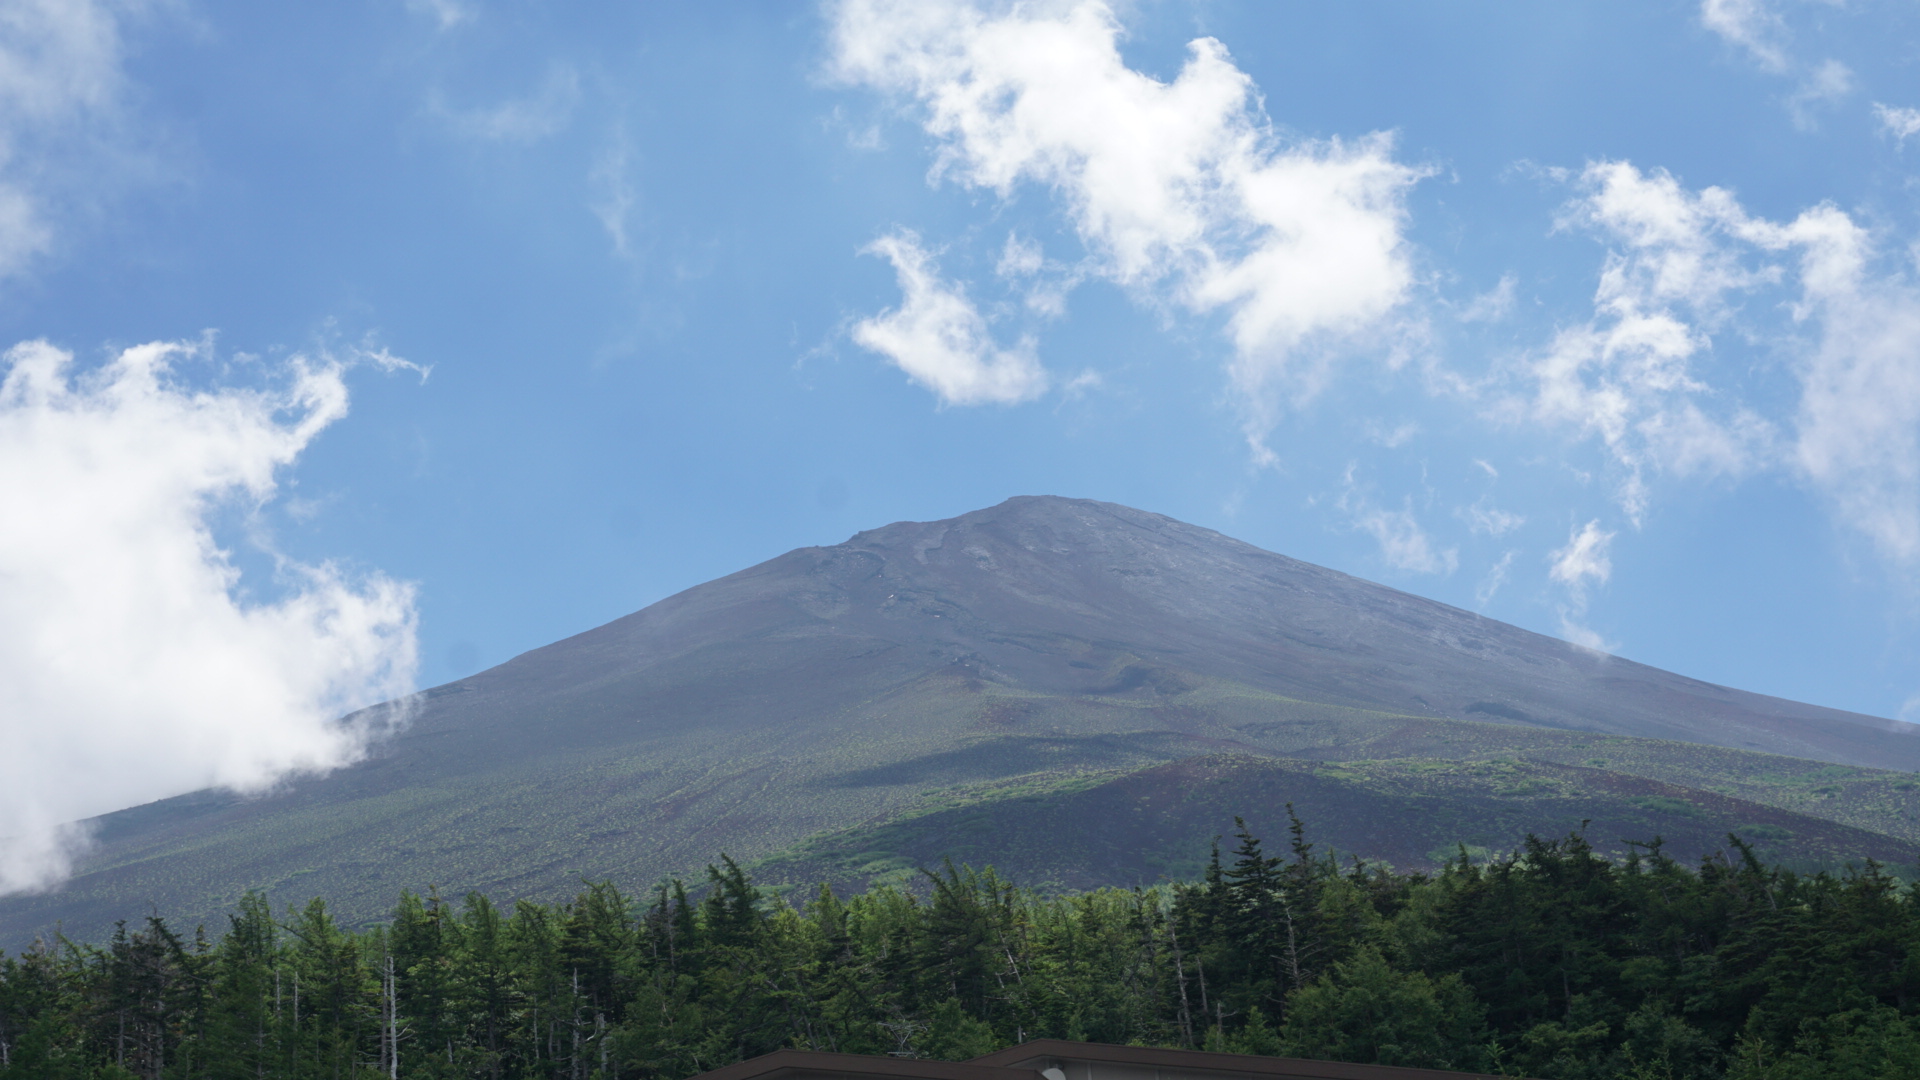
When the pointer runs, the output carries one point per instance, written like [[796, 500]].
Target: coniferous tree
[[1555, 962]]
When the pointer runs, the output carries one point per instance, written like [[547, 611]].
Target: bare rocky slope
[[1062, 641]]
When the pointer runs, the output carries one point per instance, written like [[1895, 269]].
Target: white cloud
[[1494, 305], [1753, 26], [545, 112], [1584, 562], [940, 339], [1179, 190], [1082, 384], [130, 669], [1023, 260], [1756, 27], [1858, 435], [1022, 257], [1853, 333], [1627, 374], [371, 352], [1897, 122], [1496, 577], [61, 86], [1404, 545], [1485, 519], [1585, 558], [1825, 84]]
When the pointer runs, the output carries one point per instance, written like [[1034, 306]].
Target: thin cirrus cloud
[[447, 13], [615, 193], [130, 668], [1493, 580], [61, 87], [1483, 518], [1179, 191], [1757, 29], [1404, 544], [546, 111]]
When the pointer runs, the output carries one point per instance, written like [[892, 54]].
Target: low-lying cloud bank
[[132, 666]]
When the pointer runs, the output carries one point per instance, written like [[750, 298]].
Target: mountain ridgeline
[[1078, 693]]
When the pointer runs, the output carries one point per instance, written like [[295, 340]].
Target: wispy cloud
[[1897, 122], [1752, 25], [1824, 85], [615, 194], [447, 13], [1678, 258], [1627, 375], [1180, 191], [1757, 29], [130, 669], [1393, 437], [545, 112], [62, 85], [1858, 428], [1495, 578], [1585, 562], [940, 339], [1404, 545], [1495, 304], [1021, 258], [1485, 519]]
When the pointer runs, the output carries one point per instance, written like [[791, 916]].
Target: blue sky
[[493, 320]]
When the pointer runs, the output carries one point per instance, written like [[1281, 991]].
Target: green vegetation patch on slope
[[636, 804], [1876, 800], [1081, 830]]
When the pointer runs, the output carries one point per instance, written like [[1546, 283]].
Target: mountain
[[1144, 825], [1069, 651]]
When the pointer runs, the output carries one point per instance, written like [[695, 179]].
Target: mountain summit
[[1043, 649]]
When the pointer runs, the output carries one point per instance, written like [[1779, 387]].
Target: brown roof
[[1204, 1061], [796, 1063], [1006, 1065]]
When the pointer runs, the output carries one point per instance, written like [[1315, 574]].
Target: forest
[[1552, 961]]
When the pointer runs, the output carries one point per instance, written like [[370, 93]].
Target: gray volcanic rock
[[835, 685], [1045, 593]]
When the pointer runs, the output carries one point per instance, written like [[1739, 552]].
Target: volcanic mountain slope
[[1149, 825], [834, 687]]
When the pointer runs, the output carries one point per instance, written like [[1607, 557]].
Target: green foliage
[[1556, 961], [1874, 1044], [953, 1034], [1364, 1010]]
